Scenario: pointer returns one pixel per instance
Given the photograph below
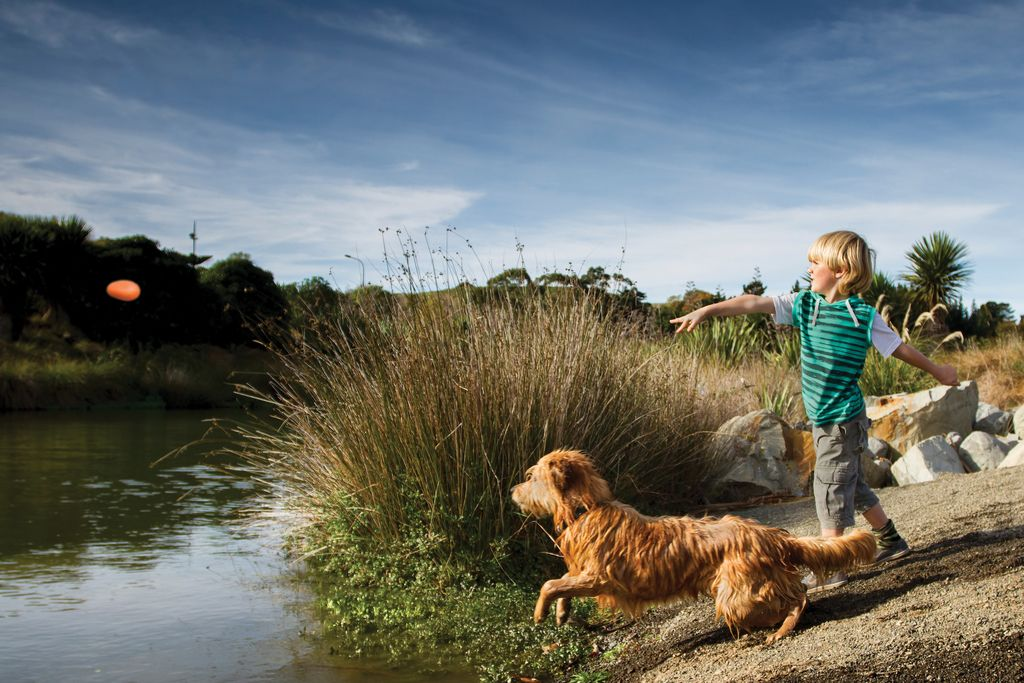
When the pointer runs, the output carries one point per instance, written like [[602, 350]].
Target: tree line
[[51, 265]]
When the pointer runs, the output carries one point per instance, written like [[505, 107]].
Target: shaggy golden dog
[[630, 561]]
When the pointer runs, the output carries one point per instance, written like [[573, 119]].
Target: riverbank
[[952, 610], [45, 372]]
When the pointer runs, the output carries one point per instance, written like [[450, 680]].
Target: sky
[[676, 142]]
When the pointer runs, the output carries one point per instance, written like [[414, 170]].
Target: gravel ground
[[953, 610]]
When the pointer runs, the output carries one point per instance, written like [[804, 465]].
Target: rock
[[903, 420], [1018, 421], [756, 443], [875, 464], [1009, 440], [925, 461], [876, 470], [991, 419], [877, 447], [800, 453], [1014, 457], [982, 451], [954, 439]]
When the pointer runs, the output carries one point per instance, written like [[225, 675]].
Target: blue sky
[[691, 142]]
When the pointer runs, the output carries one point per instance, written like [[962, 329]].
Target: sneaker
[[813, 584], [892, 552]]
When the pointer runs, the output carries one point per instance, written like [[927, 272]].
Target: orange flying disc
[[124, 290]]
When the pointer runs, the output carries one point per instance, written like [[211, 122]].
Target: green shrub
[[726, 340], [883, 376]]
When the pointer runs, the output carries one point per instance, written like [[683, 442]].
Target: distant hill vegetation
[[54, 268]]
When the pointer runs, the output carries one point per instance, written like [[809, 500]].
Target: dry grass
[[997, 366]]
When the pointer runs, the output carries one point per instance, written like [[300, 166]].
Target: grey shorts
[[839, 486]]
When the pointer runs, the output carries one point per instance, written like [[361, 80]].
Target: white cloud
[[903, 55], [387, 25], [157, 179], [411, 165], [56, 26], [662, 255]]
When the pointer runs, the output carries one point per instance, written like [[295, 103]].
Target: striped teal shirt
[[834, 342]]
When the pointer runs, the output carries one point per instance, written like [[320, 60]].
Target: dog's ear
[[563, 475], [579, 485]]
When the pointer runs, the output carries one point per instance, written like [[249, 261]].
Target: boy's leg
[[835, 479], [836, 471], [890, 544]]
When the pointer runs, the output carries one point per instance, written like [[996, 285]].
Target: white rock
[[954, 439], [1018, 421], [877, 447], [756, 445], [982, 451], [991, 419], [1014, 457], [903, 420], [925, 461]]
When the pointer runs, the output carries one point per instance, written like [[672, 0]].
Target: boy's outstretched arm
[[945, 374], [738, 305]]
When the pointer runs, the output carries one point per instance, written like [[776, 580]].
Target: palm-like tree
[[938, 269]]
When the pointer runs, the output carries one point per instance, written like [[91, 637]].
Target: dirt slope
[[952, 610]]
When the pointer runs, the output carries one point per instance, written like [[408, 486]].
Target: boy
[[836, 328]]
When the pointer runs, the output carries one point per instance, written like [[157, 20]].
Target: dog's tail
[[824, 556]]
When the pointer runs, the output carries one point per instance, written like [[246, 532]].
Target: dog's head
[[558, 484]]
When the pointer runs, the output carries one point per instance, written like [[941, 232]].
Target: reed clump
[[426, 409]]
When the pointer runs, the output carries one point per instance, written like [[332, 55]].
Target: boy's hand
[[947, 375], [690, 320]]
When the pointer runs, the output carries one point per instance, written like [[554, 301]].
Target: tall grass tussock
[[427, 410]]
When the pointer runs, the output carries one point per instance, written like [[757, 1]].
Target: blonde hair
[[845, 250]]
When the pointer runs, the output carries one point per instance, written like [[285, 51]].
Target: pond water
[[112, 569]]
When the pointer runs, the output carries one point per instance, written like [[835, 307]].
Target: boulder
[[1014, 457], [877, 447], [876, 470], [903, 420], [926, 461], [991, 419], [763, 464], [982, 451], [1018, 422], [800, 453]]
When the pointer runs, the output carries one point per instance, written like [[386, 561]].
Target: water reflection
[[114, 570], [73, 481]]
